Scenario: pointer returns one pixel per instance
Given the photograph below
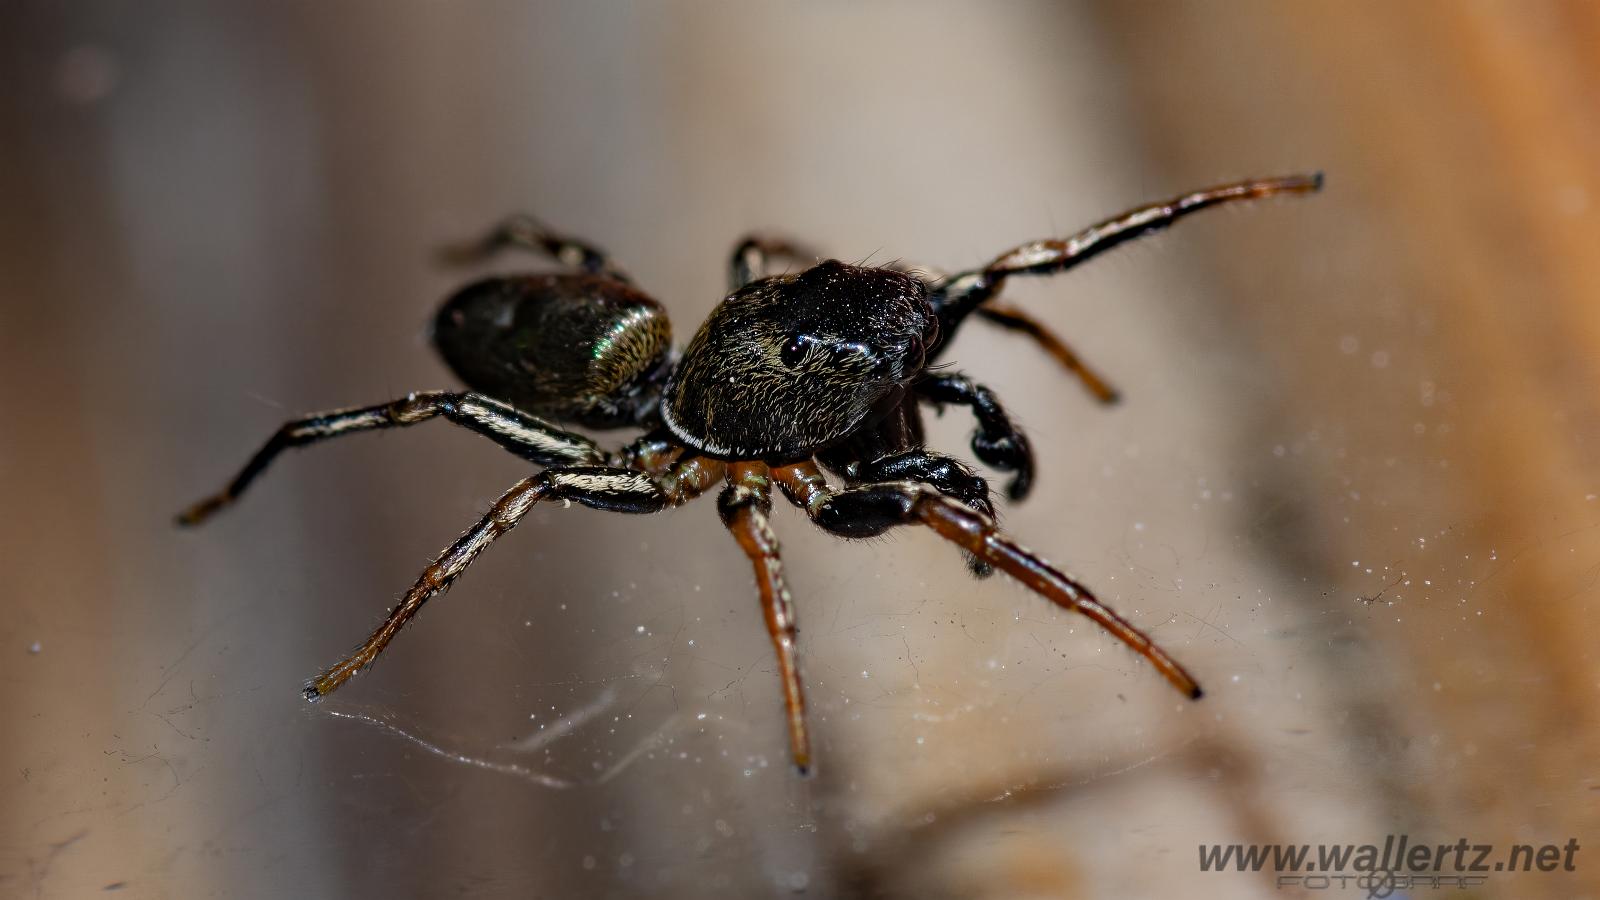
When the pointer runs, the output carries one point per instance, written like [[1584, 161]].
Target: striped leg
[[744, 506], [528, 437], [963, 293], [600, 487], [870, 510]]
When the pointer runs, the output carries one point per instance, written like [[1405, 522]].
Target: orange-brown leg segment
[[601, 487], [744, 505], [1013, 319], [504, 516], [871, 509]]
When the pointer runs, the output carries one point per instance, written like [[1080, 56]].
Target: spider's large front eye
[[795, 349]]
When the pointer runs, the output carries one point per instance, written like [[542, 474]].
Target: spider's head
[[575, 348], [788, 365]]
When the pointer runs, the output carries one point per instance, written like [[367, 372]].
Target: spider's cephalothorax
[[833, 347], [790, 376]]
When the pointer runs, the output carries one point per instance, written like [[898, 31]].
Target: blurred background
[[1352, 485]]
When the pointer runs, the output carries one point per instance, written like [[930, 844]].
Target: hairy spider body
[[791, 375], [588, 349], [835, 347]]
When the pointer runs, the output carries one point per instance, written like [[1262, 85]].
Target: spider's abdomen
[[789, 365], [576, 348]]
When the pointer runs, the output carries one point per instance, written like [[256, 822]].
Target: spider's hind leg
[[527, 233], [527, 436]]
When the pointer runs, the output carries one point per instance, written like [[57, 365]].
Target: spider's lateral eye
[[794, 349]]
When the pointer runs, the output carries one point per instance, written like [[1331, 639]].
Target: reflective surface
[[1350, 485]]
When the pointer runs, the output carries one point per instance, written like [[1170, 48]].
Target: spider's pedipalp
[[997, 442]]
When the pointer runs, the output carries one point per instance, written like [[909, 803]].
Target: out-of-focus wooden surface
[[1351, 484], [1463, 147]]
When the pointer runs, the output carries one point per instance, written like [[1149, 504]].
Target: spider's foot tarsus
[[1306, 183], [321, 686], [202, 511], [467, 252], [464, 253]]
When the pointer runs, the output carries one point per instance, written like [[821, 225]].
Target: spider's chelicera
[[791, 376]]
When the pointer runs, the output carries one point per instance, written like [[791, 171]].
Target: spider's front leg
[[961, 294], [869, 510], [527, 436], [599, 487], [957, 296], [997, 442], [744, 505]]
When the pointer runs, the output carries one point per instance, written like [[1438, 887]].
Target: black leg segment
[[945, 475], [997, 441]]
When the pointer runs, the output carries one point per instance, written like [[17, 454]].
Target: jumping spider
[[790, 375]]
